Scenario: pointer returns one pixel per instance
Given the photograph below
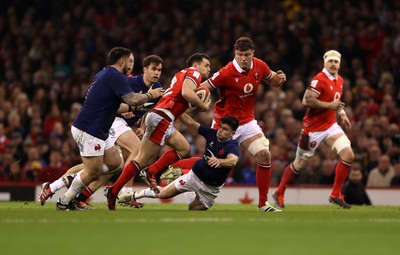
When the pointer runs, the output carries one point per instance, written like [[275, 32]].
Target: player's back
[[102, 102]]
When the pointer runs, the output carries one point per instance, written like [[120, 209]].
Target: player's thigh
[[179, 143], [169, 191], [112, 158], [129, 141]]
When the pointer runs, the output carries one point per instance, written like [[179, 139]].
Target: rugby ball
[[204, 94]]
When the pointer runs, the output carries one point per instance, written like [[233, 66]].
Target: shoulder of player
[[193, 73], [137, 79]]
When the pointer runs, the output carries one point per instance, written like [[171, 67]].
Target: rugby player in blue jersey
[[120, 132], [208, 174], [91, 127]]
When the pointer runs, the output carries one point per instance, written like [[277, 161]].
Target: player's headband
[[332, 54]]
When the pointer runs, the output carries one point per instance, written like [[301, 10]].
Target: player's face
[[204, 68], [128, 67], [244, 58], [332, 66], [225, 132], [152, 72]]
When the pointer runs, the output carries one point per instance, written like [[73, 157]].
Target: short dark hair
[[196, 58], [230, 121], [116, 54], [152, 59], [244, 43]]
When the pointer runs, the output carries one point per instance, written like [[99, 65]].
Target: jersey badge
[[256, 75], [221, 152], [97, 147], [314, 83], [313, 144]]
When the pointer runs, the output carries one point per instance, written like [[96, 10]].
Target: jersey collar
[[330, 76], [238, 68]]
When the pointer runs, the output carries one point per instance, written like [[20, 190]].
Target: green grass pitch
[[28, 228]]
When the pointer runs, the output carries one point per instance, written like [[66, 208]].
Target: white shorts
[[246, 131], [191, 183], [307, 146], [90, 146], [119, 126], [159, 126]]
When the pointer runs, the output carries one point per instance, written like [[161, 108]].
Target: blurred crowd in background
[[50, 51]]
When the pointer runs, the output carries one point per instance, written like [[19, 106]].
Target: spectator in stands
[[55, 57], [54, 169], [382, 175], [354, 190]]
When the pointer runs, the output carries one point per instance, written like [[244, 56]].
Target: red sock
[[341, 173], [85, 194], [166, 159], [263, 178], [186, 163], [128, 172], [287, 178]]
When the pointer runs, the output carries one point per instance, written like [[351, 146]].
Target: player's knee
[[184, 153], [112, 168], [347, 154], [259, 148], [298, 165], [197, 207]]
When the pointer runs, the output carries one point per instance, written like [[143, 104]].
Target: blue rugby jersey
[[211, 175], [138, 86], [102, 102]]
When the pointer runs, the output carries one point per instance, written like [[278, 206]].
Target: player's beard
[[125, 70]]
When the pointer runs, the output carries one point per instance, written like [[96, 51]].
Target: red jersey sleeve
[[193, 75]]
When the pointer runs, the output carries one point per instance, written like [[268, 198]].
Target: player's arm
[[343, 119], [123, 108], [188, 92], [207, 84], [139, 99], [276, 79], [311, 100], [228, 162], [189, 122]]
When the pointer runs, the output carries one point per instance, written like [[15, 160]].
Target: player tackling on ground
[[208, 174]]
